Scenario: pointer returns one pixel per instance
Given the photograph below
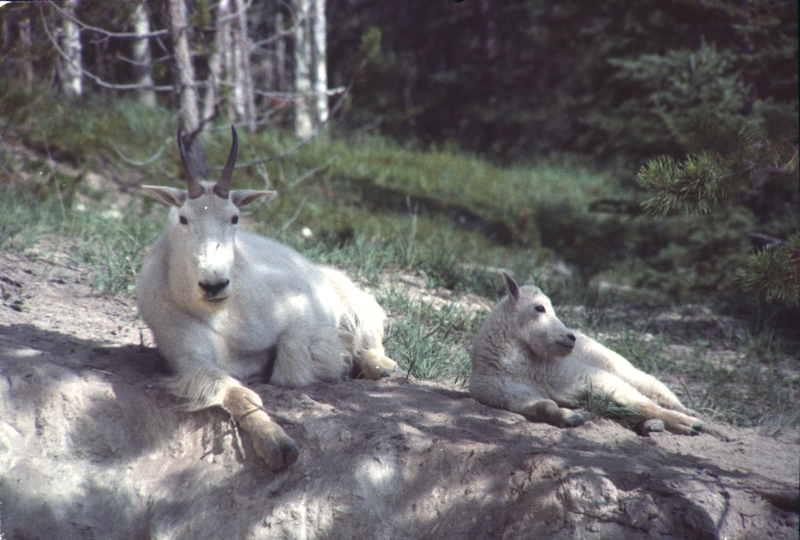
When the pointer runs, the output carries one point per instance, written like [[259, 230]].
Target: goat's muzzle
[[212, 292], [568, 341]]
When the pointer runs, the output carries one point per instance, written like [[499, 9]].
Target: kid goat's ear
[[511, 287]]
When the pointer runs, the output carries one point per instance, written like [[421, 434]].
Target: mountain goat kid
[[526, 361], [225, 304]]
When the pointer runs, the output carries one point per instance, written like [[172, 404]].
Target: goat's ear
[[243, 197], [511, 287], [168, 195]]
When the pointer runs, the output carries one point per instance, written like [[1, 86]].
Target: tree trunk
[[320, 71], [303, 127], [69, 68], [280, 56], [185, 87], [228, 68], [141, 54], [243, 77], [216, 63], [26, 44]]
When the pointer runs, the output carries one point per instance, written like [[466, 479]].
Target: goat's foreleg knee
[[274, 446], [547, 410]]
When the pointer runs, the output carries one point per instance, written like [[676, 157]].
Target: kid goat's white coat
[[526, 361], [225, 305]]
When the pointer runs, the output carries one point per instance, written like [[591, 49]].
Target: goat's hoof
[[277, 454], [290, 452], [652, 425], [697, 425], [273, 445], [574, 420]]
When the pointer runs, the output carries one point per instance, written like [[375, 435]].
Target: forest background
[[651, 145]]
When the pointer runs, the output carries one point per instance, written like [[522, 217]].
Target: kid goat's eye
[[540, 309], [235, 220], [183, 220]]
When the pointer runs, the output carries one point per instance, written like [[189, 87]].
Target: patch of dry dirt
[[92, 447]]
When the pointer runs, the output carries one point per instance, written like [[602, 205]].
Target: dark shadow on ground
[[102, 451]]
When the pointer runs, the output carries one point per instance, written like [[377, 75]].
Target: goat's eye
[[540, 309], [235, 220], [183, 220]]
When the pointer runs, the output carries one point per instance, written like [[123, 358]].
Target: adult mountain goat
[[526, 361], [226, 304]]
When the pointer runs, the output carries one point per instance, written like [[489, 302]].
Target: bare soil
[[91, 446]]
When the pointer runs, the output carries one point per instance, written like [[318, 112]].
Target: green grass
[[111, 247], [429, 342], [375, 209], [603, 405]]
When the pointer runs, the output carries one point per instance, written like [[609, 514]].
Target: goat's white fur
[[313, 320], [526, 361]]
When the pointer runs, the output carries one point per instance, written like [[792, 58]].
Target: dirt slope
[[92, 447]]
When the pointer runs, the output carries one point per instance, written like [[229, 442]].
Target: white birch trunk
[[141, 54], [70, 72], [27, 51], [303, 126], [245, 102], [184, 69], [222, 41], [185, 86], [320, 68], [5, 34], [280, 56], [228, 68]]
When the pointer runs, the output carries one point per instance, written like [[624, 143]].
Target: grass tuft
[[603, 405], [429, 342]]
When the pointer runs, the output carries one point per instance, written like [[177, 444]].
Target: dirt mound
[[92, 447]]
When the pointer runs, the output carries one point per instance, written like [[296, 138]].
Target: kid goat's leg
[[522, 400], [373, 364], [628, 396]]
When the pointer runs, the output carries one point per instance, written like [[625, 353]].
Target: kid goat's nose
[[571, 337], [212, 289]]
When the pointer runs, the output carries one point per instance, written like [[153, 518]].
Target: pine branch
[[774, 272], [696, 185]]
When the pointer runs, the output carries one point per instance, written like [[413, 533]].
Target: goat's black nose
[[212, 289], [571, 337]]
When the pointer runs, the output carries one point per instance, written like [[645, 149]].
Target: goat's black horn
[[194, 188], [223, 187]]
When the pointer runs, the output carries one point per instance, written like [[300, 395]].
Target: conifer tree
[[733, 157]]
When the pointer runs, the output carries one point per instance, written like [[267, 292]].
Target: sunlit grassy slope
[[69, 174], [434, 208]]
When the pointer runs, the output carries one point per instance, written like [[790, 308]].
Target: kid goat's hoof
[[398, 371], [651, 425], [574, 420]]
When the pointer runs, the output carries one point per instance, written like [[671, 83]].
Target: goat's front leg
[[373, 364], [274, 446], [523, 400], [547, 410]]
